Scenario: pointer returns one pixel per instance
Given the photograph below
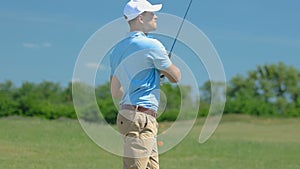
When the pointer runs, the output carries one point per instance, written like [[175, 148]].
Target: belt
[[139, 109]]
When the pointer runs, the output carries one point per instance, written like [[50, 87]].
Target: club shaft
[[179, 30]]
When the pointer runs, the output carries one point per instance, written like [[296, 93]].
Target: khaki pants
[[139, 131]]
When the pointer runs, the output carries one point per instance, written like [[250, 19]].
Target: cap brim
[[156, 8]]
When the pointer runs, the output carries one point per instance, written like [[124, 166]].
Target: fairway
[[240, 142]]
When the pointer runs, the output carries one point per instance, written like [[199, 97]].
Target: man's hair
[[133, 20]]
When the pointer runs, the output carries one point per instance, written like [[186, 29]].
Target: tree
[[106, 104], [270, 89], [46, 99], [212, 92], [8, 105]]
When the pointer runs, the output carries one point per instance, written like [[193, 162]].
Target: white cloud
[[93, 65], [47, 45], [31, 45], [97, 66]]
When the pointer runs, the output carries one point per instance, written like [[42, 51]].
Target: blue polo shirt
[[136, 62]]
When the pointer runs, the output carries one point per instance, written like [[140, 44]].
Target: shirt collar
[[135, 34]]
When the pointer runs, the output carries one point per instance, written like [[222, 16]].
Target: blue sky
[[41, 40]]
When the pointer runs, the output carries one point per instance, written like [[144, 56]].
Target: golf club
[[178, 32]]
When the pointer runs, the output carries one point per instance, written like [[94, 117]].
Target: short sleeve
[[160, 56]]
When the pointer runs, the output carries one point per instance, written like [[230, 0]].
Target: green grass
[[240, 142]]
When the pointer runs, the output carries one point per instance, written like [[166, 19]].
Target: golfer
[[136, 65]]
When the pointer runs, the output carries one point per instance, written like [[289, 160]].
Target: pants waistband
[[140, 109]]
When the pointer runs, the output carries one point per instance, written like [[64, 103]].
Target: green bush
[[170, 115], [8, 107], [270, 90]]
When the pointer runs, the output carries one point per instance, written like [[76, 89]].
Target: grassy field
[[240, 142]]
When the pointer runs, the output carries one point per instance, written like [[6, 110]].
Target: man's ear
[[140, 18]]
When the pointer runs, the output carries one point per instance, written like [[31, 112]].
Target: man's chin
[[154, 29]]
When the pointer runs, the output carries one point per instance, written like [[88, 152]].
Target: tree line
[[269, 90]]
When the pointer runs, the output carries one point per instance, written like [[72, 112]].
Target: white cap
[[135, 7]]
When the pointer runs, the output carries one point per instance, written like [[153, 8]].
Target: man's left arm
[[115, 87]]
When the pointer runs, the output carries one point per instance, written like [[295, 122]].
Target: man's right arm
[[163, 63], [172, 73]]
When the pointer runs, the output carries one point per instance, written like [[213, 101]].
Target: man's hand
[[172, 73]]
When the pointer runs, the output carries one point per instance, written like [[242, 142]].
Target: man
[[136, 64]]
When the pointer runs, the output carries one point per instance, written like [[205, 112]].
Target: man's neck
[[137, 30]]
